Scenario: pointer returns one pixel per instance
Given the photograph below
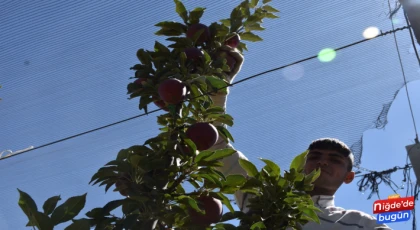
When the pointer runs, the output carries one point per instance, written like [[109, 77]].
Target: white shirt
[[335, 218]]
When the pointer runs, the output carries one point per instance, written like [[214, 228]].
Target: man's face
[[333, 167]]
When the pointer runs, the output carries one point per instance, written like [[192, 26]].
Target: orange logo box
[[394, 196]]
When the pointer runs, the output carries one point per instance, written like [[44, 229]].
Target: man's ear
[[349, 177]]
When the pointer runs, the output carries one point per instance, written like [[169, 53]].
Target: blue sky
[[65, 67]]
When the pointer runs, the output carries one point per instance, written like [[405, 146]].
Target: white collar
[[323, 201]]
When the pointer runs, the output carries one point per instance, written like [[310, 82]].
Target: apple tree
[[172, 181]]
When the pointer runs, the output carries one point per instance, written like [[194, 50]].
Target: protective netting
[[65, 66]]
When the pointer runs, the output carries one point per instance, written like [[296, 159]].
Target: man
[[332, 156]]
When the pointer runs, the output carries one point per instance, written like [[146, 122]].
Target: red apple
[[233, 41], [195, 28], [213, 211], [172, 91], [204, 135], [193, 53], [161, 104]]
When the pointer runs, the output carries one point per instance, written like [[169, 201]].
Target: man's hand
[[219, 98], [234, 53]]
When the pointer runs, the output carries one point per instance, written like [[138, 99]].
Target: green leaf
[[266, 1], [194, 183], [159, 47], [248, 36], [270, 15], [215, 109], [170, 25], [219, 30], [81, 224], [130, 221], [232, 215], [225, 133], [195, 92], [270, 9], [211, 178], [218, 84], [103, 174], [50, 204], [258, 225], [28, 205], [122, 154], [310, 213], [225, 22], [248, 167], [191, 145], [254, 26], [210, 164], [224, 118], [96, 213], [112, 205], [311, 177], [144, 56], [144, 101], [42, 221], [69, 209], [235, 19], [223, 226], [234, 180], [253, 3], [220, 154], [181, 42], [271, 167], [190, 202], [224, 200], [299, 161], [129, 206], [254, 19], [203, 155], [242, 46], [251, 183], [195, 15], [168, 32], [181, 10]]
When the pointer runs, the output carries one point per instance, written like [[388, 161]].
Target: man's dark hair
[[336, 145]]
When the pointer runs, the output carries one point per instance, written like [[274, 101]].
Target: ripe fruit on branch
[[161, 104], [195, 28], [213, 211], [203, 134], [193, 54], [172, 91], [233, 41]]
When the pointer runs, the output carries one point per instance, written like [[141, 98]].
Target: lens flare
[[396, 21], [371, 32], [327, 55], [294, 72]]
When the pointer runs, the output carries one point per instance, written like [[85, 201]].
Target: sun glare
[[371, 32], [327, 55]]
